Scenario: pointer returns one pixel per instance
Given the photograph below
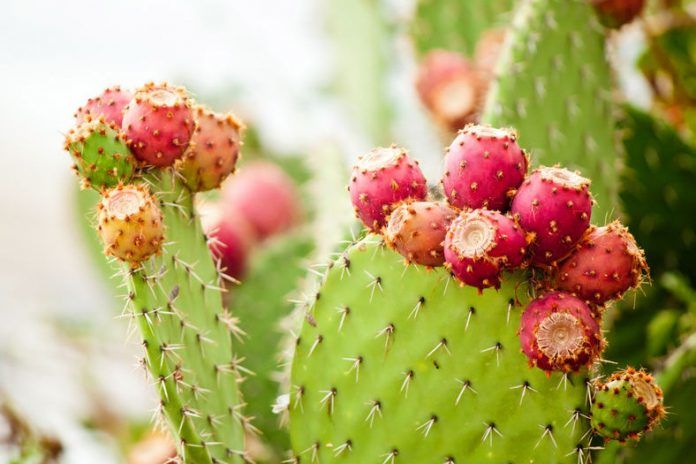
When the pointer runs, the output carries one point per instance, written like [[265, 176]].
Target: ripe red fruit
[[616, 13], [109, 105], [230, 238]]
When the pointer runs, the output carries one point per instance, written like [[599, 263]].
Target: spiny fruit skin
[[616, 13], [265, 196], [606, 263], [213, 149], [382, 178], [450, 87], [483, 168], [480, 244], [109, 104], [559, 332], [555, 204], [102, 157], [158, 123], [417, 231], [626, 405], [130, 224]]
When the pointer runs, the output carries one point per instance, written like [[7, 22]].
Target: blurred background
[[317, 82]]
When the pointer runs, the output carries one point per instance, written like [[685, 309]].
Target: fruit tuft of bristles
[[616, 13], [417, 231], [382, 178], [158, 123], [481, 244], [450, 88], [109, 104], [606, 263], [483, 168], [555, 205], [559, 332], [130, 224], [102, 157], [213, 150], [626, 405]]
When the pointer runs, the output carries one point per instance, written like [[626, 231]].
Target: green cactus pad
[[554, 87], [176, 302], [101, 155], [399, 363]]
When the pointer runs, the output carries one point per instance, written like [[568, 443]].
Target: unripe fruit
[[130, 224], [158, 123], [483, 168], [213, 149], [109, 104], [559, 332], [417, 231], [450, 87], [265, 197], [555, 204], [382, 178], [606, 263], [616, 13], [480, 244], [102, 157], [626, 405]]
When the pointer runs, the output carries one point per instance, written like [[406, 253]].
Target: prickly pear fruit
[[158, 123], [626, 405], [265, 196], [417, 231], [109, 104], [450, 87], [130, 224], [483, 168], [213, 149], [555, 204], [616, 13], [559, 332], [606, 263], [102, 157], [488, 49], [480, 244], [381, 179], [230, 238]]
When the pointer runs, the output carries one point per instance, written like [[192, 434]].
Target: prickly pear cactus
[[401, 364]]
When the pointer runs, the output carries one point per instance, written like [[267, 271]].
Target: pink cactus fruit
[[483, 168], [213, 149], [488, 50], [130, 224], [606, 263], [230, 237], [158, 123], [616, 13], [480, 244], [417, 230], [382, 178], [555, 205], [109, 104], [265, 196], [559, 332], [450, 87]]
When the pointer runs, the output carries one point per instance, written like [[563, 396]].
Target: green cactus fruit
[[399, 364], [626, 405], [102, 157], [175, 298], [554, 86]]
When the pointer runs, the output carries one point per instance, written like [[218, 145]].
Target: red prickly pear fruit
[[488, 49], [480, 244], [606, 263], [450, 87], [213, 149], [265, 196], [616, 13], [555, 205], [158, 123], [382, 178], [230, 238], [417, 231], [559, 332], [130, 224], [483, 168], [109, 104]]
